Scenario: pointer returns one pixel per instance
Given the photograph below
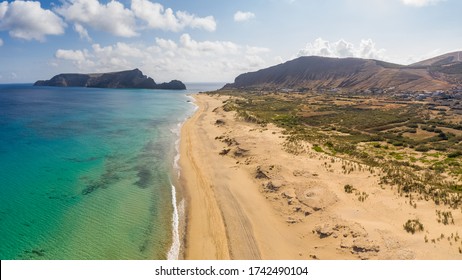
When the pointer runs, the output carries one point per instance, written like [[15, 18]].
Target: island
[[123, 79]]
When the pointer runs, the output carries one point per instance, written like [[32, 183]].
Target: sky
[[214, 41]]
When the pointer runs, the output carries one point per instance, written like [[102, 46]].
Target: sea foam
[[174, 251], [178, 210]]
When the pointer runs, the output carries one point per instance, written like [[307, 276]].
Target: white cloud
[[157, 17], [240, 16], [27, 20], [278, 60], [166, 44], [185, 59], [115, 18], [367, 49], [112, 17], [207, 23], [421, 3], [70, 55], [83, 33], [253, 61], [256, 50], [342, 48], [3, 8], [202, 48], [1, 42]]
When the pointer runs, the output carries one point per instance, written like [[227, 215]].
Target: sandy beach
[[248, 198]]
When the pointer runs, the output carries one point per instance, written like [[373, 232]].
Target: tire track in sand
[[239, 232], [243, 245], [205, 226]]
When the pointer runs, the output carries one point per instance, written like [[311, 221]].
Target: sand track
[[204, 219]]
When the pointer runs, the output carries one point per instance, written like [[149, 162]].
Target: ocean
[[90, 173]]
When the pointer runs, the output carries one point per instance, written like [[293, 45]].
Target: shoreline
[[298, 208], [201, 207], [176, 250]]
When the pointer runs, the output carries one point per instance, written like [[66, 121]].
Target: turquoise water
[[85, 173]]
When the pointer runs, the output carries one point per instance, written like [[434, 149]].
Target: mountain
[[441, 60], [316, 72], [123, 79], [447, 67]]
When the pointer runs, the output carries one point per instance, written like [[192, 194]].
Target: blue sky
[[214, 41]]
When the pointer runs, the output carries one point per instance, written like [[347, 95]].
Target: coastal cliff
[[123, 79]]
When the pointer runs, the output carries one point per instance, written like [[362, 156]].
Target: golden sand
[[248, 198]]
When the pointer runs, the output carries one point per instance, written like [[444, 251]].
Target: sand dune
[[248, 198]]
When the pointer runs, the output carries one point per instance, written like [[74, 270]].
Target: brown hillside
[[315, 72]]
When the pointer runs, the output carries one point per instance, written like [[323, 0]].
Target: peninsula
[[123, 79]]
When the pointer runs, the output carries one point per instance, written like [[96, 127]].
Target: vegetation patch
[[318, 149], [419, 152], [444, 217], [413, 226], [348, 188]]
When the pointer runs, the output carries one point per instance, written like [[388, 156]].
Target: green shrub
[[377, 145], [397, 143], [318, 149], [444, 217], [422, 148], [348, 188], [413, 226], [455, 154]]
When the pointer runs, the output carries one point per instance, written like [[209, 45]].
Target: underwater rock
[[144, 178], [89, 189]]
